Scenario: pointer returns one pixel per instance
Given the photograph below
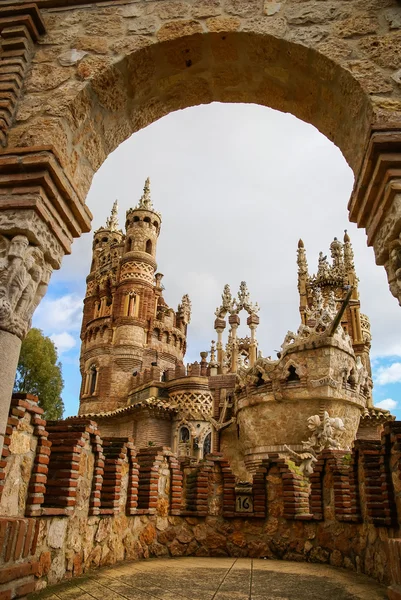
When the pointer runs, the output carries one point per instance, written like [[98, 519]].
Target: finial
[[346, 236], [213, 352], [145, 201], [112, 221], [301, 243]]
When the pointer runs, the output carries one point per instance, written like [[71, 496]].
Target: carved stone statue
[[325, 433], [323, 266], [226, 303], [24, 276], [244, 300], [184, 309]]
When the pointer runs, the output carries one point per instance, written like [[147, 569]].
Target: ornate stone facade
[[127, 326], [238, 401], [70, 95]]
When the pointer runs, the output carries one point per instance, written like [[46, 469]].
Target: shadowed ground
[[217, 579]]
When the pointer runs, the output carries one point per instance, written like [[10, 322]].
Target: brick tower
[[127, 326]]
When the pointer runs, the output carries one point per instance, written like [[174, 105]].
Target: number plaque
[[244, 503]]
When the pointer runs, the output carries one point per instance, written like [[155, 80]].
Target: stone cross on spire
[[112, 221], [146, 201]]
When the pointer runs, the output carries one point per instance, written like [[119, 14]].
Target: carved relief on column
[[24, 276], [20, 27], [40, 214], [375, 203], [393, 268]]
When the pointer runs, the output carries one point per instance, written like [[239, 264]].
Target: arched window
[[146, 220], [156, 334], [148, 247], [136, 219], [292, 374], [93, 375], [207, 444], [184, 434]]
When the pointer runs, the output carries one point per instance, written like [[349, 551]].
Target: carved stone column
[[40, 214], [252, 322], [376, 203]]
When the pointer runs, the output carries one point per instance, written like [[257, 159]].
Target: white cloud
[[391, 374], [387, 404], [58, 315], [234, 205], [63, 341]]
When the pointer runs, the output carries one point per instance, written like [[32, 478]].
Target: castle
[[234, 400]]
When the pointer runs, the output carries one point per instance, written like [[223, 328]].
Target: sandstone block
[[57, 533], [271, 8], [47, 77], [221, 24], [172, 9], [206, 8], [175, 29], [393, 17], [384, 50], [370, 76], [99, 45], [243, 8], [143, 25], [311, 13], [356, 25]]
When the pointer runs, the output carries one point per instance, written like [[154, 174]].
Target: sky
[[237, 186]]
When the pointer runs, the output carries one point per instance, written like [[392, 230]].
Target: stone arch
[[74, 112], [144, 85]]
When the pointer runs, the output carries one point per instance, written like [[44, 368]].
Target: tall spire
[[112, 221], [348, 253], [146, 202]]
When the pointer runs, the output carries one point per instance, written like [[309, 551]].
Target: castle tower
[[335, 280], [127, 326]]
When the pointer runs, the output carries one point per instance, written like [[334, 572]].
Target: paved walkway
[[217, 579]]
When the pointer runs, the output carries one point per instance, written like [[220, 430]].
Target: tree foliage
[[39, 373]]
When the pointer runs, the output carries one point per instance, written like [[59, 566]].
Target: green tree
[[39, 373]]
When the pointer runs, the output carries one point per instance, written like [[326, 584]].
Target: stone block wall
[[99, 501]]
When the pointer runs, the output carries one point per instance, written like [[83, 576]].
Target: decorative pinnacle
[[112, 221], [301, 243], [146, 201], [346, 237]]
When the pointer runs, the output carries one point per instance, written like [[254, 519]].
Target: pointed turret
[[349, 262], [302, 279], [146, 202], [127, 325], [112, 221]]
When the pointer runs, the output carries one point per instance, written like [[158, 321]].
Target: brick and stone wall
[[81, 501]]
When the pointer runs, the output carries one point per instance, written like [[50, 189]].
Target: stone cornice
[[375, 189], [27, 14], [33, 178]]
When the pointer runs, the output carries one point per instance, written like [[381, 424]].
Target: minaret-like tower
[[127, 326], [334, 280]]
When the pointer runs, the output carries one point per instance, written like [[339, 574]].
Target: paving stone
[[218, 579]]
